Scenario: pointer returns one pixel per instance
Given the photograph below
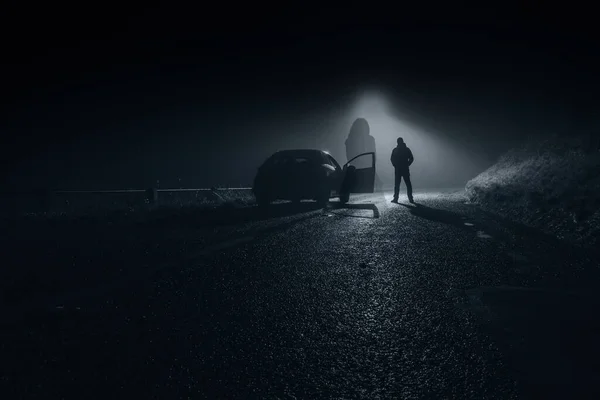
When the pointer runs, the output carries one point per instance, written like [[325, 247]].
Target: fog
[[195, 149], [440, 161], [221, 141]]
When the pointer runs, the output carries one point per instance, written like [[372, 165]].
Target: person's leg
[[397, 177], [408, 186]]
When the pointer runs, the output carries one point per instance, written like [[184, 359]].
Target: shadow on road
[[361, 206], [34, 289], [231, 215], [436, 215], [228, 215]]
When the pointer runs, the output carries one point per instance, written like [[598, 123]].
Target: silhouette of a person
[[401, 159], [361, 141]]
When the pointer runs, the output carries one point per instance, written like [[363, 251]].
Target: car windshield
[[332, 161]]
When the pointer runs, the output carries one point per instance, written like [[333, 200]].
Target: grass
[[551, 184], [119, 205]]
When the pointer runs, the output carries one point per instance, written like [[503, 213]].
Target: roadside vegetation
[[551, 184]]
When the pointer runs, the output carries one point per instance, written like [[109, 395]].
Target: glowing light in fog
[[386, 127], [381, 116], [441, 159]]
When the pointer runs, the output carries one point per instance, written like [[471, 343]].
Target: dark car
[[310, 174]]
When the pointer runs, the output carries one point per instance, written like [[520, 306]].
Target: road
[[376, 300]]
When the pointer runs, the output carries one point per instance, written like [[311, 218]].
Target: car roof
[[301, 152], [312, 154]]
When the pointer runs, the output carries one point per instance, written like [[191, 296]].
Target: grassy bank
[[551, 184]]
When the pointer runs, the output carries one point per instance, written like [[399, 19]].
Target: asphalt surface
[[373, 300]]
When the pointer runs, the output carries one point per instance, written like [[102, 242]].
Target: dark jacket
[[402, 157]]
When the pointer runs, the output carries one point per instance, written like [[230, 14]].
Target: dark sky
[[124, 97]]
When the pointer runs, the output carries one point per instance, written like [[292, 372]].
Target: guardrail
[[105, 200]]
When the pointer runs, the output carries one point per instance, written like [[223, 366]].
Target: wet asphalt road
[[377, 300]]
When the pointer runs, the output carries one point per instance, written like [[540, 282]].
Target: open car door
[[360, 172]]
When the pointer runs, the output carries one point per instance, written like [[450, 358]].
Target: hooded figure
[[401, 159], [360, 141]]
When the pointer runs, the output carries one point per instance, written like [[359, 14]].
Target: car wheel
[[344, 197], [323, 197]]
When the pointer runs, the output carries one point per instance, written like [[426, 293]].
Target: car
[[309, 174]]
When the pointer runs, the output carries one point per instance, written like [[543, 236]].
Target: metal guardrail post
[[152, 196]]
